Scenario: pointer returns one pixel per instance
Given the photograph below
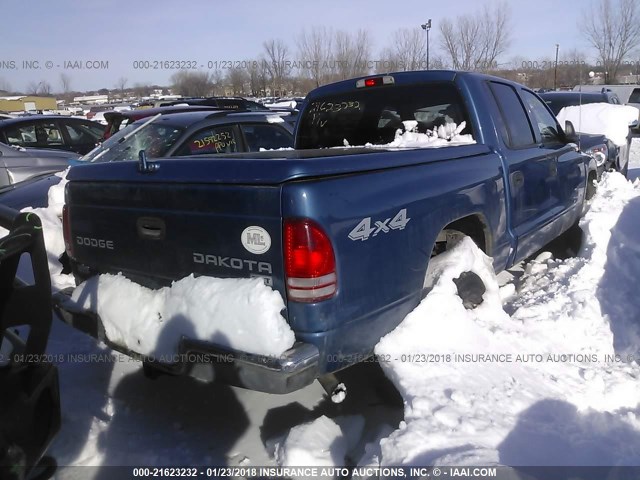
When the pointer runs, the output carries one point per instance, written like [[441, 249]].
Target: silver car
[[18, 164]]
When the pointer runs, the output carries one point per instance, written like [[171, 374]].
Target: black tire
[[591, 186], [469, 285]]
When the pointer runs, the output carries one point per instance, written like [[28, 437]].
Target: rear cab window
[[374, 115]]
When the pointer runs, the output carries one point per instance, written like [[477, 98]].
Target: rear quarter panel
[[380, 279]]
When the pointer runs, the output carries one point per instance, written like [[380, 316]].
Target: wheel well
[[472, 226], [591, 188]]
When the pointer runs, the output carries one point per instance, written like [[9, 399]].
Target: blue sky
[[122, 32]]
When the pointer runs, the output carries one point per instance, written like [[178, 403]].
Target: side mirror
[[569, 129]]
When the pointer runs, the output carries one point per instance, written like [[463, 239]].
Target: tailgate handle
[[151, 228]]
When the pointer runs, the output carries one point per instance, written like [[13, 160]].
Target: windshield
[[154, 139]]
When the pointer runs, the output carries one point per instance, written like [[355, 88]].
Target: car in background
[[222, 103], [18, 164], [289, 114], [105, 107], [195, 133], [51, 132], [200, 132], [607, 155], [117, 120], [558, 100]]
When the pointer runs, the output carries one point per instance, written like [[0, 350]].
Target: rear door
[[532, 170], [566, 164]]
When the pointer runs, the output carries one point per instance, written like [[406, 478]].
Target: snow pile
[[447, 135], [606, 119], [324, 442], [242, 314], [541, 386], [56, 194], [442, 136], [51, 219]]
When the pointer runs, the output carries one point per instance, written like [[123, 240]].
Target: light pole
[[555, 69], [427, 26]]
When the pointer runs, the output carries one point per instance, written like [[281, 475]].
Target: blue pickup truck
[[352, 229]]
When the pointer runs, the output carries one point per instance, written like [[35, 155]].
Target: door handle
[[151, 228]]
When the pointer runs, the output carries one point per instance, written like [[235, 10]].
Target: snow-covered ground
[[516, 409]]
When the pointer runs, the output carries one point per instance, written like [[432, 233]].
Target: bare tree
[[45, 88], [33, 88], [192, 84], [409, 51], [40, 88], [474, 41], [142, 89], [278, 63], [573, 68], [614, 31], [65, 82], [236, 78], [315, 51], [121, 84], [217, 82], [351, 54]]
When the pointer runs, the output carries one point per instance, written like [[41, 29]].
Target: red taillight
[[309, 261], [372, 82], [66, 231]]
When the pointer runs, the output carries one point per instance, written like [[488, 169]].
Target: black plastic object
[[29, 392]]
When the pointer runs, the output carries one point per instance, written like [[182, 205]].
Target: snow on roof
[[605, 119], [20, 97]]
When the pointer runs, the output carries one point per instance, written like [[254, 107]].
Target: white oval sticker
[[256, 240]]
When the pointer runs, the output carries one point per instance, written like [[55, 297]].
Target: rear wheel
[[469, 285]]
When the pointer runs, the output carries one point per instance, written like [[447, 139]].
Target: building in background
[[27, 103]]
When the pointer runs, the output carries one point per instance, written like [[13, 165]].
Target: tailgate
[[158, 232]]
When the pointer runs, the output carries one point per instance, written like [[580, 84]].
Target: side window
[[210, 140], [268, 137], [79, 135], [517, 132], [635, 96], [48, 134], [546, 123], [24, 135], [94, 128]]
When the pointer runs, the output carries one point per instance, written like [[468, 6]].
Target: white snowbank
[[605, 119], [51, 219], [535, 387], [324, 442], [242, 314]]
